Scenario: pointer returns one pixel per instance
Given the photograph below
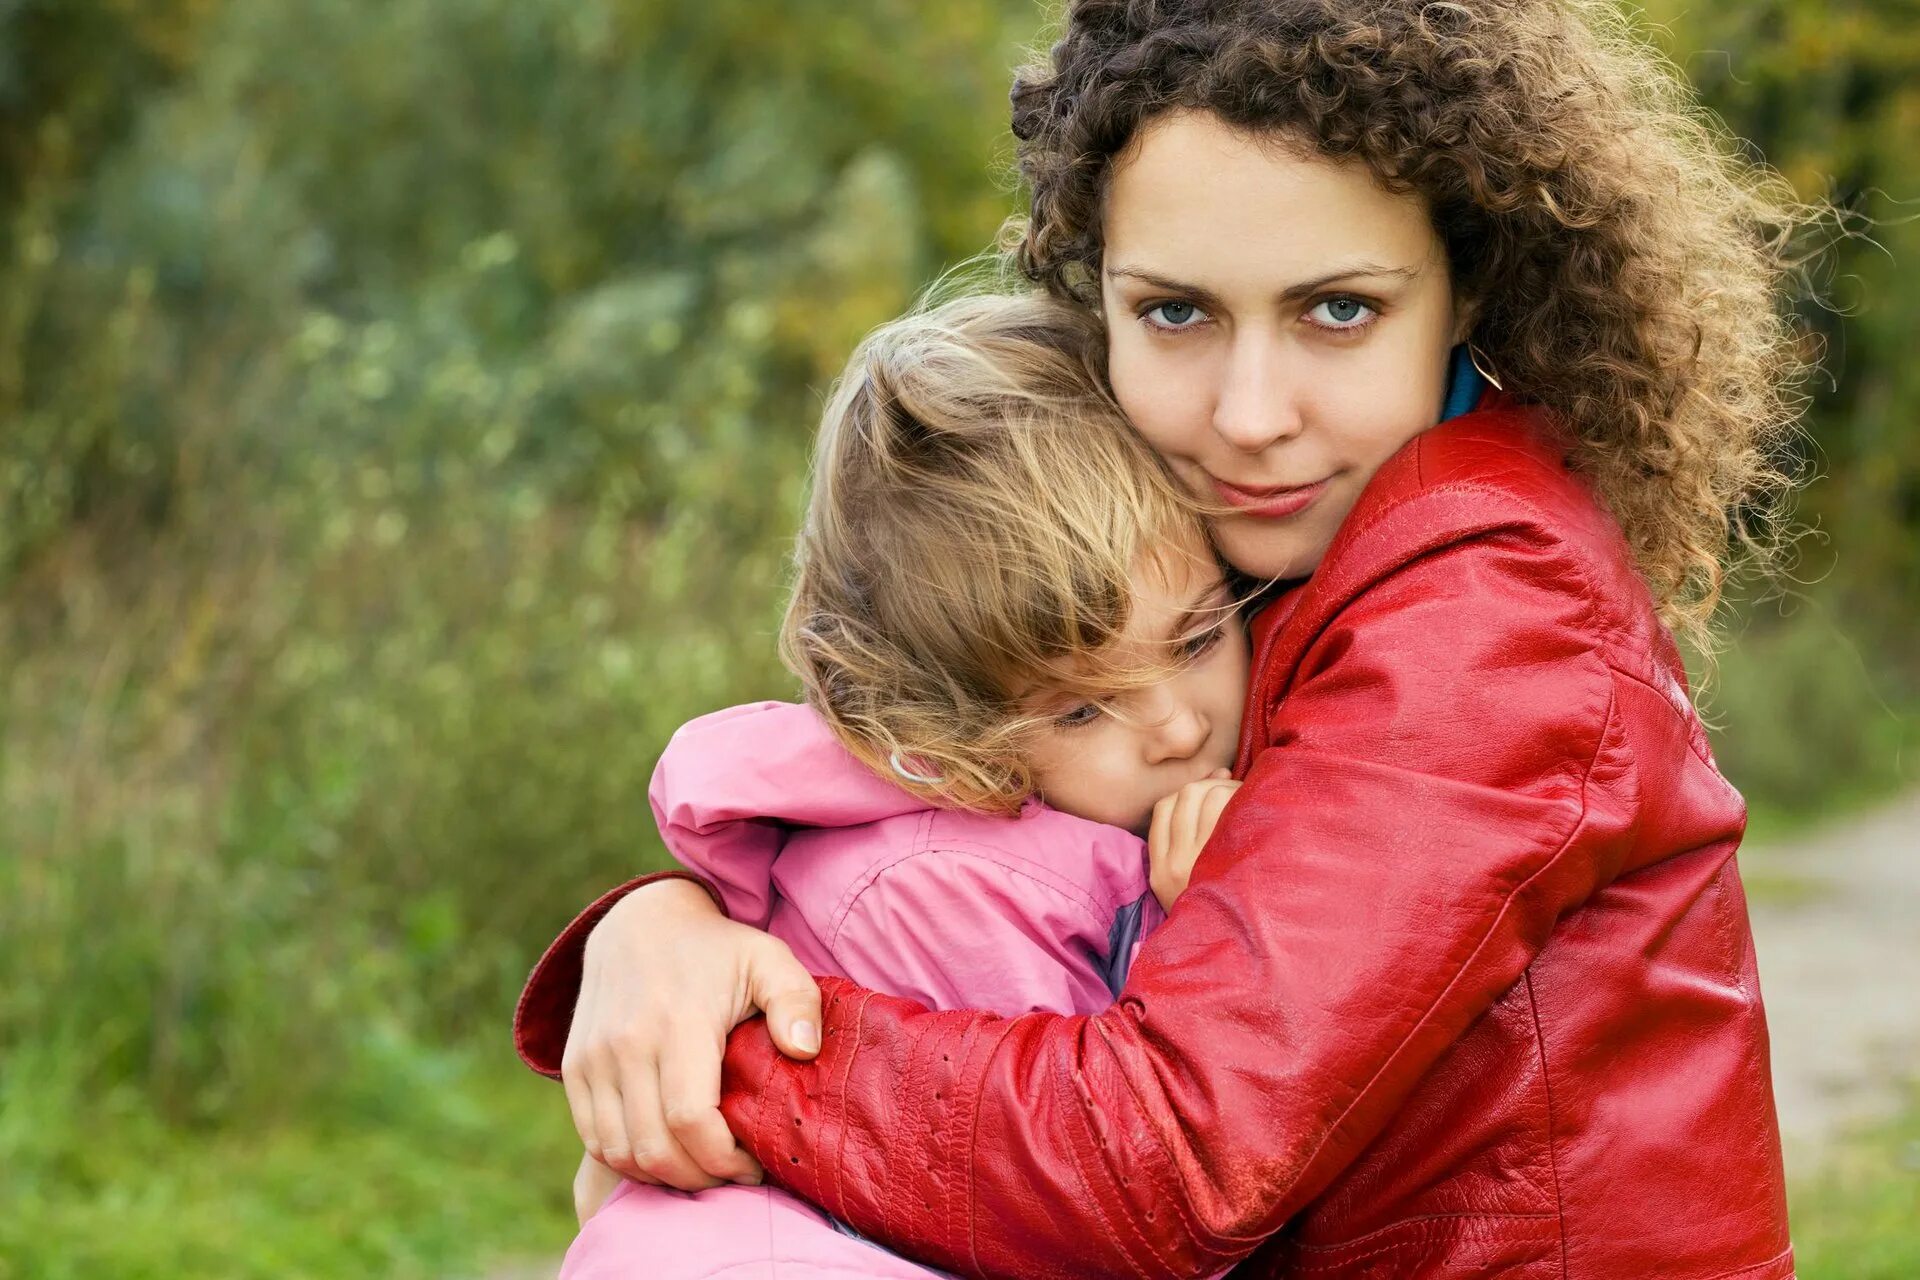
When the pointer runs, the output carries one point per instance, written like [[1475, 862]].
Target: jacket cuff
[[545, 1011]]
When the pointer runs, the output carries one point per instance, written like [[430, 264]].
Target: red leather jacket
[[1462, 985]]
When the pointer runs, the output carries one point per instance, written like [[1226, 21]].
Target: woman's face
[[1278, 328]]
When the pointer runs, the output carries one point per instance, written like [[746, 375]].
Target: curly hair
[[1626, 261], [978, 512]]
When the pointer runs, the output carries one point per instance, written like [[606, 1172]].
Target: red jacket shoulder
[[1499, 470]]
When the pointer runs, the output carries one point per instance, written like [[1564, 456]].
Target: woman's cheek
[[1164, 400]]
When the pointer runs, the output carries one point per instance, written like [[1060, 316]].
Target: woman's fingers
[[690, 1103], [780, 986], [655, 1154]]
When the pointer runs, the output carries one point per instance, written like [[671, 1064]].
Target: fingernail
[[805, 1036]]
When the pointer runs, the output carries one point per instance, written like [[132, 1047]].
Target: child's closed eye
[[1195, 645], [1085, 713]]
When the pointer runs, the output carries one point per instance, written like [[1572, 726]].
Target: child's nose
[[1179, 736]]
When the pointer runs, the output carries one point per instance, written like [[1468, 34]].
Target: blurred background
[[403, 415]]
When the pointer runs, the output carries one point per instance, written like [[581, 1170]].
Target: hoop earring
[[1473, 357], [909, 774]]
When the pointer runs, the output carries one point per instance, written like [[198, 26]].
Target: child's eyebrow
[[1202, 603]]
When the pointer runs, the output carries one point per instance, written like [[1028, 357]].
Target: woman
[[1463, 982]]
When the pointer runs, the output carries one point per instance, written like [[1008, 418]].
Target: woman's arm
[[1442, 783], [632, 1019]]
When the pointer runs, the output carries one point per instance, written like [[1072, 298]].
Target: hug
[[1246, 808]]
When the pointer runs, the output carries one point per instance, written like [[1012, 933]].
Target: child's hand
[[591, 1187], [1181, 824]]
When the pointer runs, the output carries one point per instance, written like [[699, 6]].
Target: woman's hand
[[1181, 824], [665, 977]]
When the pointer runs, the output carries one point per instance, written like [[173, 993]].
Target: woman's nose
[[1256, 404]]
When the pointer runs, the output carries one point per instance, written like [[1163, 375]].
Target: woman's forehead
[[1196, 197]]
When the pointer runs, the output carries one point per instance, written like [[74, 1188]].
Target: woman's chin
[[1270, 554]]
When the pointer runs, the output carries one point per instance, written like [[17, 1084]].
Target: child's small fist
[[1181, 824]]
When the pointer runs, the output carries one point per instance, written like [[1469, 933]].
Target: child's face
[[1111, 763], [1278, 327]]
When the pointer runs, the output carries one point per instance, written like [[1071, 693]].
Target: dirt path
[[1836, 923]]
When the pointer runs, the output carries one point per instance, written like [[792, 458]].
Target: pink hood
[[866, 880]]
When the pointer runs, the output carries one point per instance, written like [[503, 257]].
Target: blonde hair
[[978, 510]]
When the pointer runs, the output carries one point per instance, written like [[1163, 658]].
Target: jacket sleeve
[[544, 1013], [1419, 819]]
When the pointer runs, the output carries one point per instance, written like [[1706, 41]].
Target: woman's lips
[[1269, 503]]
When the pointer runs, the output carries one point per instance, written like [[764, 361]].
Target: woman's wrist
[[679, 895], [545, 1011]]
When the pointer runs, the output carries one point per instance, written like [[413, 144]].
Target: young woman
[[1463, 982]]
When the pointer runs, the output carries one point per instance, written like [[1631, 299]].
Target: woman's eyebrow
[[1351, 271]]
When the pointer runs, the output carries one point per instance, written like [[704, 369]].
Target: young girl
[[1001, 596], [1463, 982]]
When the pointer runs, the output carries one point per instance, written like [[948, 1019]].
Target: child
[[1016, 643]]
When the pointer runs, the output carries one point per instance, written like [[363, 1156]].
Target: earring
[[1473, 357], [909, 774]]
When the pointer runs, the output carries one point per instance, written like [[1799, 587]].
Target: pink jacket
[[956, 910]]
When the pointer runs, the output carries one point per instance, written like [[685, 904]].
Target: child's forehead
[[1173, 597]]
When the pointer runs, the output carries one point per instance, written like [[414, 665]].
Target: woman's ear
[[1466, 310]]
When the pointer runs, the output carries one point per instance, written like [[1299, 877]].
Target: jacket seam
[[1196, 1231], [1546, 1086], [1401, 1224], [1737, 1272], [1431, 1230], [1541, 528], [1579, 823], [1686, 726], [1090, 1134]]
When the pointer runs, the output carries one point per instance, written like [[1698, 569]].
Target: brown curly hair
[[1627, 262]]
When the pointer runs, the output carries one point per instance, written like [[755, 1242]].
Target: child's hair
[[979, 508], [1626, 259]]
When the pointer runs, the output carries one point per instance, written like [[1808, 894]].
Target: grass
[[1860, 1218], [466, 1173]]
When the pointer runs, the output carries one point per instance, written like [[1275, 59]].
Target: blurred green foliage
[[405, 416]]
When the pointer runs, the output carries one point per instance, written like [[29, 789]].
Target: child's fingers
[[1158, 829], [1211, 808], [1193, 802]]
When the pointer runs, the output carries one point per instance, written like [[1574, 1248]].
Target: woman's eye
[[1343, 313], [1174, 315], [1085, 713]]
